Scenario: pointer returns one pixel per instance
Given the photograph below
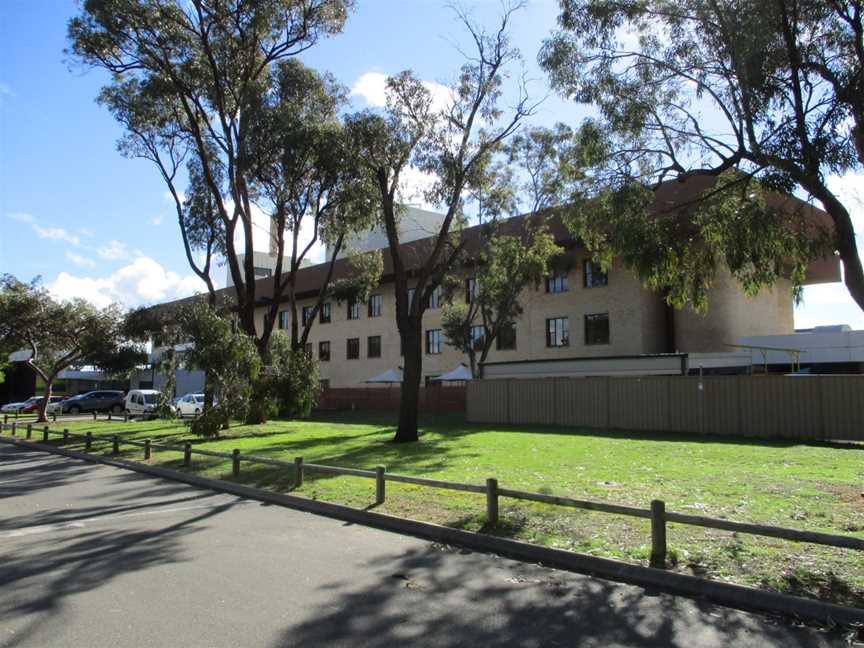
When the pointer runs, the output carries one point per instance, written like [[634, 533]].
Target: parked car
[[11, 408], [35, 403], [142, 402], [190, 405], [95, 401]]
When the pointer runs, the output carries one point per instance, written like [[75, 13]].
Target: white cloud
[[56, 234], [156, 221], [113, 251], [144, 281], [81, 261], [372, 86], [6, 90], [21, 217]]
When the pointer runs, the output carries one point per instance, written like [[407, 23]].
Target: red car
[[32, 405]]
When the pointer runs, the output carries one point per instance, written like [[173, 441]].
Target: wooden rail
[[657, 513]]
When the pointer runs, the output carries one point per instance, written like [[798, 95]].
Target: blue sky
[[95, 224]]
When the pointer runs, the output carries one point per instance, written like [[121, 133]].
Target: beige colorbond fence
[[798, 407]]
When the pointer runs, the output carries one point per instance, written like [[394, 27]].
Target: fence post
[[298, 472], [29, 430], [380, 485], [491, 501], [658, 534], [65, 435], [115, 446], [109, 415], [5, 419], [45, 433], [54, 416], [187, 454], [235, 462], [88, 441], [14, 427], [146, 449], [94, 415]]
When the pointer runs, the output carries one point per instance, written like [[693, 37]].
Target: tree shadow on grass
[[444, 597]]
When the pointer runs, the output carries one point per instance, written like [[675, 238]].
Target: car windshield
[[151, 399], [199, 398]]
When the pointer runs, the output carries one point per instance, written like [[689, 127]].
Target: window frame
[[353, 311], [474, 339], [590, 273], [284, 320], [595, 317], [470, 289], [498, 345], [321, 347], [563, 335], [355, 343], [434, 301], [307, 314], [369, 349], [557, 282], [325, 313], [375, 300], [433, 349]]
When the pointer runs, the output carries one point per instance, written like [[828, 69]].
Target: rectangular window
[[375, 302], [435, 298], [470, 289], [597, 328], [353, 310], [324, 351], [284, 319], [309, 349], [324, 313], [478, 335], [307, 315], [323, 384], [433, 341], [556, 282], [353, 348], [558, 332], [506, 340], [373, 346], [594, 275]]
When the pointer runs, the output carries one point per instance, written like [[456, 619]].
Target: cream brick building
[[605, 316]]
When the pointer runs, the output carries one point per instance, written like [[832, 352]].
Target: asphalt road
[[97, 556]]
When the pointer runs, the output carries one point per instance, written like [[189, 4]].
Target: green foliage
[[230, 359], [768, 91], [293, 378], [505, 266], [365, 276], [59, 335]]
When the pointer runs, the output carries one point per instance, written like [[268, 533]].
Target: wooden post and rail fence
[[657, 514]]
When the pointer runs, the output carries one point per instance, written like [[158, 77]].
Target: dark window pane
[[324, 313], [507, 337], [478, 336], [433, 341], [374, 346], [353, 348], [307, 314], [597, 328], [375, 305], [593, 275], [435, 298], [470, 289], [557, 332], [324, 351], [556, 282], [353, 310]]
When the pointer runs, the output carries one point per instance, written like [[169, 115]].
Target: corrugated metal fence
[[798, 407]]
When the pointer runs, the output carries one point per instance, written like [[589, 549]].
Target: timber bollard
[[94, 415], [88, 441], [45, 434], [29, 430], [146, 449], [658, 534], [492, 501], [187, 454], [65, 435], [115, 446], [109, 416], [380, 485], [235, 462], [14, 427], [5, 419], [298, 472]]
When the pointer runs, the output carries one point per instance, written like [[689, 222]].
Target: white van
[[142, 402]]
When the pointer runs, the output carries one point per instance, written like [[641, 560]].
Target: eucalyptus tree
[[58, 335], [198, 74], [748, 95], [455, 147]]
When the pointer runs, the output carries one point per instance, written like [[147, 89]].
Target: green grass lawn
[[814, 486]]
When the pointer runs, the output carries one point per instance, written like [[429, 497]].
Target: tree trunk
[[409, 403], [43, 406]]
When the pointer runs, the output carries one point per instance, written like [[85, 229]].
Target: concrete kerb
[[727, 594]]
